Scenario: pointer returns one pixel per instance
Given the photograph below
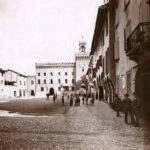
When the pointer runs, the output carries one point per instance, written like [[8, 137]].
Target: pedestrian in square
[[63, 100], [136, 110], [127, 108], [92, 99], [47, 95], [83, 99], [117, 103], [71, 100], [54, 98], [86, 100]]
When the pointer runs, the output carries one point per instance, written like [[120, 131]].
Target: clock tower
[[81, 60]]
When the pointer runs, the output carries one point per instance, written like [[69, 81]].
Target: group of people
[[129, 108], [54, 96], [77, 98]]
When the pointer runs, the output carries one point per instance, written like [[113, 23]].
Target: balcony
[[140, 35]]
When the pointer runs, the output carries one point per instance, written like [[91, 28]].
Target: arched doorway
[[51, 91]]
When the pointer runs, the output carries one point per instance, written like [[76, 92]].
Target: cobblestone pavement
[[56, 127]]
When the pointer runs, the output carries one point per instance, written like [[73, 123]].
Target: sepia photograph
[[74, 74]]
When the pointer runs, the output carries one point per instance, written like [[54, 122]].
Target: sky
[[44, 31]]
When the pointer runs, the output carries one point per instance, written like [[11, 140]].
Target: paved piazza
[[42, 125]]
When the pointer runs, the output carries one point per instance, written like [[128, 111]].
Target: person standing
[[117, 104], [54, 98], [83, 99], [47, 95], [63, 100], [127, 108], [136, 110], [71, 100], [86, 99]]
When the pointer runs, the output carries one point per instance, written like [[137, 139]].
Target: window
[[106, 24], [51, 81], [59, 73], [66, 73], [129, 82], [20, 82], [72, 80], [117, 17], [66, 81], [44, 73], [42, 89], [59, 88], [59, 81], [1, 81], [126, 4], [24, 93], [32, 82], [51, 74], [38, 74], [24, 83], [44, 81], [15, 94], [72, 73], [72, 88], [82, 69], [39, 81]]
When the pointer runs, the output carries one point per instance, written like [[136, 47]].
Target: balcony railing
[[139, 35]]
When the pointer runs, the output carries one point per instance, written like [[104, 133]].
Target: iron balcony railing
[[139, 35]]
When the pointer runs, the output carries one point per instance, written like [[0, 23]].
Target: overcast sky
[[43, 31]]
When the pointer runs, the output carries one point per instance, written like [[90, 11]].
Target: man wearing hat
[[127, 108]]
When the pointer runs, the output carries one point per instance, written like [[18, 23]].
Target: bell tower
[[82, 46], [81, 60]]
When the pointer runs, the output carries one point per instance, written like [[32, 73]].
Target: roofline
[[20, 74], [98, 26]]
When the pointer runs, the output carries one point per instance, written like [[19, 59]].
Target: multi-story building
[[81, 61], [31, 89], [132, 38], [2, 72], [101, 68], [54, 77], [15, 84], [57, 77]]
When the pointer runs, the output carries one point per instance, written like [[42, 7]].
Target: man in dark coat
[[54, 98], [117, 104], [71, 100], [127, 108], [63, 100], [136, 110]]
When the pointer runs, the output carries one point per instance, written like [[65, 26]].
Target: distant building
[[81, 61], [2, 72], [58, 77], [54, 77], [15, 84], [31, 82]]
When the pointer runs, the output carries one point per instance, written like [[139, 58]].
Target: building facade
[[81, 61], [2, 72], [59, 77], [101, 68], [132, 37], [14, 84], [31, 88], [54, 77], [119, 59]]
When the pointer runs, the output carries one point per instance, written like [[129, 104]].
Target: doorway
[[51, 91]]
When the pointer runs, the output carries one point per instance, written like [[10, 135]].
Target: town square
[[75, 75]]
